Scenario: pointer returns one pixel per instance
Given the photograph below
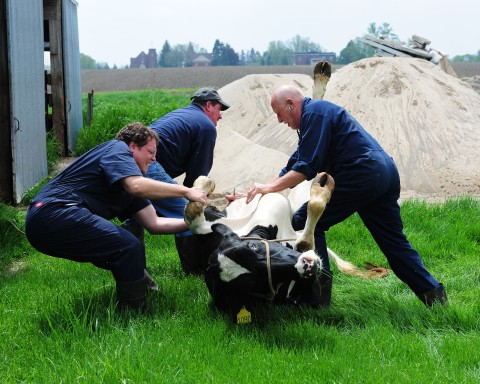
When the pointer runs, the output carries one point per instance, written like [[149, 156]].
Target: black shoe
[[132, 295], [326, 282], [151, 284], [435, 296]]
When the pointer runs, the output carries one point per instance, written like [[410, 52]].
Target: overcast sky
[[113, 31]]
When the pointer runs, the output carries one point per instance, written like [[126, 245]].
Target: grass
[[58, 323], [114, 110]]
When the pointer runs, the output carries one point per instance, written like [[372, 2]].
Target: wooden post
[[90, 107]]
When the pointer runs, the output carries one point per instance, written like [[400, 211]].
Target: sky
[[113, 31]]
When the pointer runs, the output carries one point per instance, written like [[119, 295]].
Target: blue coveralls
[[187, 140], [366, 182], [70, 216]]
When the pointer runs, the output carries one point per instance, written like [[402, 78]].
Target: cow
[[245, 263]]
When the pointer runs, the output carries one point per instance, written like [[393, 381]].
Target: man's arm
[[288, 180], [146, 188], [148, 218]]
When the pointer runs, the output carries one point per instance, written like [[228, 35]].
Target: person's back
[[186, 143], [187, 140]]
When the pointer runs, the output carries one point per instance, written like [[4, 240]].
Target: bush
[[12, 234]]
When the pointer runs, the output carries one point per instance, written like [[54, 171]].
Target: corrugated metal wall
[[73, 83], [27, 122]]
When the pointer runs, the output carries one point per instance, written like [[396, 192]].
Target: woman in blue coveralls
[[70, 217], [366, 182]]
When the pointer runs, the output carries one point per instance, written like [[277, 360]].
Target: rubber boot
[[137, 230], [326, 282], [190, 253], [132, 295], [151, 284], [435, 296]]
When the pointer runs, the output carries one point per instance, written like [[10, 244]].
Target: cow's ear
[[223, 230]]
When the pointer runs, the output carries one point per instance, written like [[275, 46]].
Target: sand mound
[[426, 119]]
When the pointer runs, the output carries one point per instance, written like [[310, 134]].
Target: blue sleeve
[[200, 163], [118, 162], [316, 136]]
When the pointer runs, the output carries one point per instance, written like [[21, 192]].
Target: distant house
[[202, 60], [144, 60], [307, 58]]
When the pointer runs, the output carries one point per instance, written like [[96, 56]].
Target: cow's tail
[[373, 271]]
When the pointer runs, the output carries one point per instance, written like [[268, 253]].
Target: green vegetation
[[114, 110], [59, 325]]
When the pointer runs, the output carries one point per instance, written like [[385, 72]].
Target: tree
[[86, 62], [353, 51], [218, 54], [303, 44], [223, 54], [278, 54], [356, 50], [189, 55], [253, 57], [468, 58], [165, 59], [384, 30]]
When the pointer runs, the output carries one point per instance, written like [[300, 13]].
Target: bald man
[[366, 182]]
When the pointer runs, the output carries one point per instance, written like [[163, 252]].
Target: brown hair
[[137, 133]]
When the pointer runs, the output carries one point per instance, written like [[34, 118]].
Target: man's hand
[[196, 194], [234, 196], [255, 189]]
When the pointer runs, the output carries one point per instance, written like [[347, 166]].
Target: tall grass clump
[[54, 151], [114, 110], [12, 236]]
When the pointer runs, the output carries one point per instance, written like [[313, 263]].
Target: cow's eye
[[253, 247]]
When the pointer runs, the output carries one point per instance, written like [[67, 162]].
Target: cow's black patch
[[246, 282]]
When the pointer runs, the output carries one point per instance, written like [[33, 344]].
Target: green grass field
[[58, 323]]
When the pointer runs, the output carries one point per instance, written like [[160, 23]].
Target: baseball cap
[[205, 94]]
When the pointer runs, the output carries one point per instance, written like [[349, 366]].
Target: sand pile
[[427, 120]]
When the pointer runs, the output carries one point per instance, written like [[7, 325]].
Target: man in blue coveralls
[[187, 140], [366, 182], [70, 216]]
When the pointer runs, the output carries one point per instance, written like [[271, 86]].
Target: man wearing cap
[[187, 140]]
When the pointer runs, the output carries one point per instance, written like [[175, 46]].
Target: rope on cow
[[273, 292]]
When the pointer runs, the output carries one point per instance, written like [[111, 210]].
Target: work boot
[[132, 295], [326, 282], [190, 253], [151, 284], [435, 296]]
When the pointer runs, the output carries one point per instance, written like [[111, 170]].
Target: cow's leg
[[320, 193], [194, 211], [321, 75]]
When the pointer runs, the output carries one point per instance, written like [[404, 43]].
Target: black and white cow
[[244, 266]]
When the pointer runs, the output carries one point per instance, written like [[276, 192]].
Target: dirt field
[[216, 77]]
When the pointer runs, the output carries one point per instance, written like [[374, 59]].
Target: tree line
[[277, 53]]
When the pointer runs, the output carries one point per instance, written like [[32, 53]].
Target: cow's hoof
[[205, 183]]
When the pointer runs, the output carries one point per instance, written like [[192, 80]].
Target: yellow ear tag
[[243, 316]]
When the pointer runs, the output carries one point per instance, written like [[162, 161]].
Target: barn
[[33, 99]]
